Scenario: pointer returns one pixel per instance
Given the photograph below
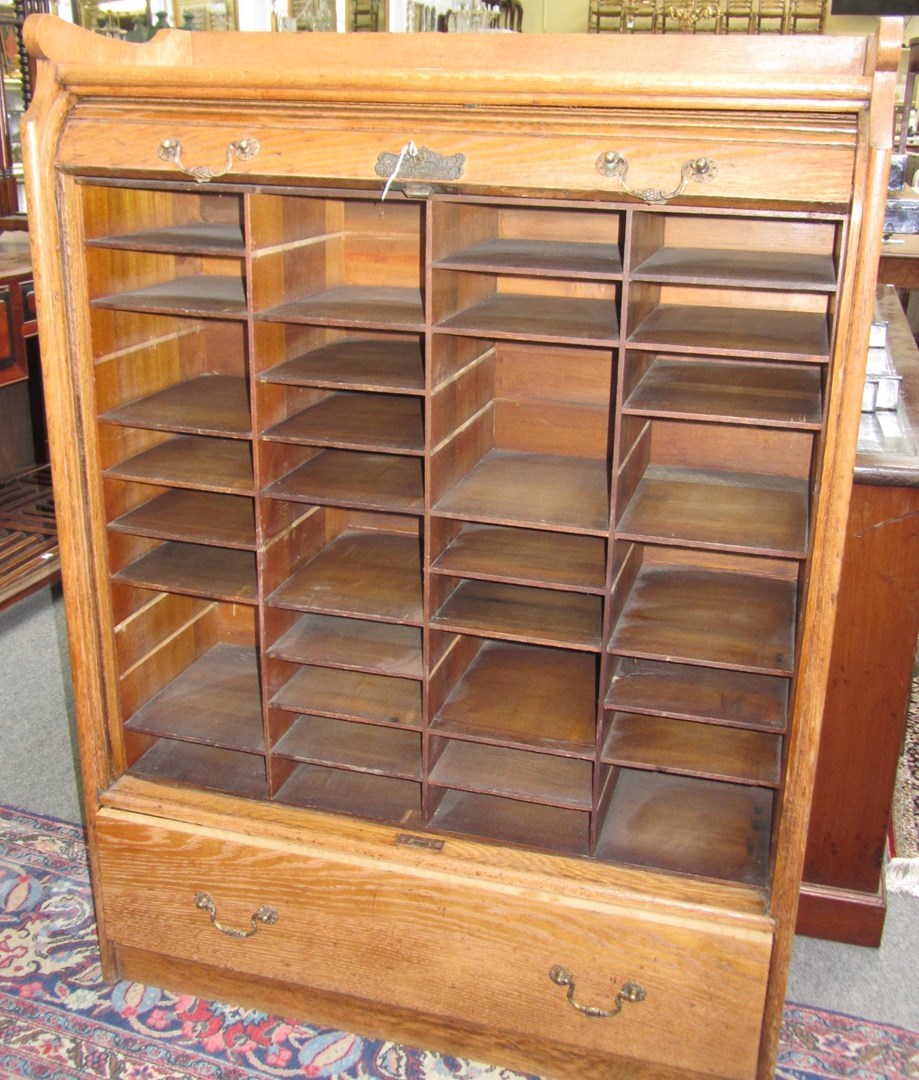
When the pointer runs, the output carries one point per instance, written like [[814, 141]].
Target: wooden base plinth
[[841, 915]]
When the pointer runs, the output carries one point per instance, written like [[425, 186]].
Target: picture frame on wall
[[205, 14], [138, 20]]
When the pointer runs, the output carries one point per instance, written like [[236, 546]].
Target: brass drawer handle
[[700, 171], [629, 991], [241, 149], [265, 915]]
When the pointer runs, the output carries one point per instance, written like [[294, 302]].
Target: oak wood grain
[[351, 695], [356, 363], [244, 875], [377, 575], [206, 464], [195, 569], [322, 740], [524, 556], [693, 749], [332, 641], [689, 825], [749, 392], [525, 696], [365, 480], [214, 701], [717, 695]]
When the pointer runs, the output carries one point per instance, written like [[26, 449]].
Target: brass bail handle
[[240, 149], [630, 991], [701, 170], [265, 916]]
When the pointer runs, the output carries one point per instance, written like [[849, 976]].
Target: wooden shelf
[[352, 695], [363, 306], [723, 511], [194, 516], [206, 464], [356, 479], [688, 826], [356, 363], [195, 238], [209, 767], [521, 613], [787, 271], [204, 295], [518, 774], [353, 644], [525, 696], [781, 335], [204, 405], [322, 740], [195, 570], [512, 822], [535, 258], [27, 501], [357, 421], [372, 575], [538, 318], [732, 620], [680, 746], [28, 561], [29, 555], [780, 395], [684, 691], [525, 557], [216, 700], [380, 798], [537, 490]]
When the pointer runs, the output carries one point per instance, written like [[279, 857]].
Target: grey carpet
[[38, 770]]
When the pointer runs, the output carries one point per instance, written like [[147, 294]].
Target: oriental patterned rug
[[902, 873], [59, 1021]]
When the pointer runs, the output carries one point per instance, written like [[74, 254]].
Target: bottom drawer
[[451, 946]]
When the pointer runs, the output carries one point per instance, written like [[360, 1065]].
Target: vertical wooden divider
[[604, 777], [426, 254], [260, 522]]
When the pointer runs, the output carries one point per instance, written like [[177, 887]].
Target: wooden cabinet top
[[812, 72], [774, 122]]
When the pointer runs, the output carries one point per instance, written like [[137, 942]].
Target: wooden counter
[[899, 262]]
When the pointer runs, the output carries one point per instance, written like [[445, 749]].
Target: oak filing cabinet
[[453, 438]]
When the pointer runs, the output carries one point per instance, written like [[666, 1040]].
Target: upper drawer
[[29, 312], [768, 157], [447, 947]]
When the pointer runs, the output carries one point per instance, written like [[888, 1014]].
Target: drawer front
[[774, 162], [29, 310], [456, 948], [12, 367]]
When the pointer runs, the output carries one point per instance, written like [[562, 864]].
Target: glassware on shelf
[[309, 15], [466, 17], [420, 17]]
